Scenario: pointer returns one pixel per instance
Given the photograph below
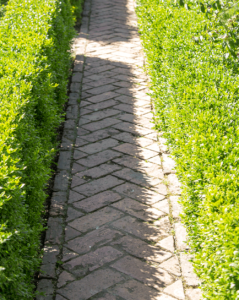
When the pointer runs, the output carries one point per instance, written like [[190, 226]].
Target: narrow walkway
[[118, 241]]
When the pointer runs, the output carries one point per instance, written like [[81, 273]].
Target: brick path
[[114, 219]]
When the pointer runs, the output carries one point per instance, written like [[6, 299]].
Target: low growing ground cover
[[191, 51], [35, 38]]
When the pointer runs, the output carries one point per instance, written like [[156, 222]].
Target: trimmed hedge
[[35, 38], [194, 83]]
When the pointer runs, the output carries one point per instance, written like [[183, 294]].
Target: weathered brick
[[98, 158], [46, 286], [99, 171], [135, 151], [91, 284], [61, 181], [108, 122], [176, 290], [168, 164], [194, 294], [81, 265], [96, 219], [167, 243], [102, 97], [100, 134], [64, 278], [76, 77], [58, 202], [174, 184], [181, 237], [129, 138], [48, 262], [148, 274], [139, 193], [132, 128], [189, 276], [54, 231], [74, 196], [172, 266], [71, 233], [99, 146], [102, 105], [138, 209], [73, 214]]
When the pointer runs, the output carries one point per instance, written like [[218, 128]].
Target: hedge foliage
[[191, 51], [35, 38]]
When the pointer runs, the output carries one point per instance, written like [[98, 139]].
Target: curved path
[[114, 209]]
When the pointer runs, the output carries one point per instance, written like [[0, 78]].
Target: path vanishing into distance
[[114, 229]]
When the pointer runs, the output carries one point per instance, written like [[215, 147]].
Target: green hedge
[[35, 38], [194, 82]]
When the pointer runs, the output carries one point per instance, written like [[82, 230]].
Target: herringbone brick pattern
[[122, 212]]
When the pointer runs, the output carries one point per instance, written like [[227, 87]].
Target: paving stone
[[102, 97], [61, 181], [167, 243], [162, 205], [74, 196], [138, 178], [100, 134], [101, 89], [135, 151], [138, 209], [96, 219], [176, 207], [80, 142], [64, 278], [81, 132], [168, 164], [164, 226], [98, 158], [54, 231], [174, 184], [98, 185], [102, 105], [176, 290], [181, 237], [100, 200], [148, 274], [77, 181], [155, 160], [75, 87], [45, 286], [108, 122], [106, 297], [99, 171], [194, 294], [141, 249], [99, 146], [76, 77], [189, 276], [139, 193], [73, 214], [89, 262], [101, 114], [97, 281], [140, 165], [142, 230], [58, 201], [78, 154], [129, 138], [135, 290], [132, 128], [71, 233], [102, 81], [172, 266], [67, 254], [48, 262], [59, 297]]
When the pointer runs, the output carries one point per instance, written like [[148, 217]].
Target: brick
[[135, 151], [167, 243], [147, 274], [97, 238], [176, 207], [81, 132], [76, 77], [100, 134], [99, 171], [142, 230], [108, 122], [102, 105], [102, 81], [73, 214], [84, 111], [98, 201], [126, 107], [98, 158], [156, 160], [181, 237], [91, 284], [168, 164], [106, 297], [48, 262], [137, 177], [135, 290], [138, 209], [141, 194], [164, 225], [101, 89], [71, 233], [141, 249], [176, 290], [102, 68], [64, 278], [54, 231], [132, 128], [129, 138], [101, 114], [194, 294], [58, 202], [172, 266], [59, 297], [102, 97], [73, 197], [67, 254], [46, 286], [174, 184], [77, 181], [96, 219], [99, 146], [75, 87], [61, 181], [66, 144], [80, 142], [89, 262], [188, 274]]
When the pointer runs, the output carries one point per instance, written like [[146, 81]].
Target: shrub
[[194, 83], [35, 38]]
